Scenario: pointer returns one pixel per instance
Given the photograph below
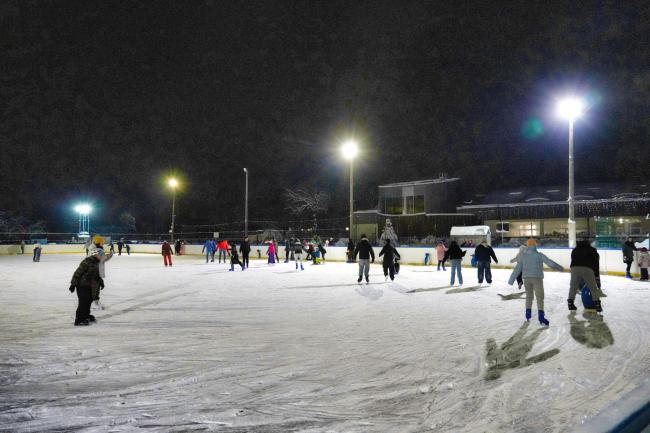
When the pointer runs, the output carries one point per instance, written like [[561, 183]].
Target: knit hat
[[531, 242]]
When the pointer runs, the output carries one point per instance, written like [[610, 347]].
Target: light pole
[[173, 184], [350, 149], [84, 219], [246, 206], [570, 109]]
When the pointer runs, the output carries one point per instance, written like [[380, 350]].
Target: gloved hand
[[72, 287]]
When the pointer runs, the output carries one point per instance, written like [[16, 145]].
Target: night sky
[[102, 100]]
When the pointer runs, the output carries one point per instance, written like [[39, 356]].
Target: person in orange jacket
[[167, 253]]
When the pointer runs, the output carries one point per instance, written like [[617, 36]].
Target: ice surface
[[198, 348]]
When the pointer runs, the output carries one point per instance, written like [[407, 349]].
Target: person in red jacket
[[167, 253], [223, 250]]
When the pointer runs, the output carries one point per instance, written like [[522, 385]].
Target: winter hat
[[531, 242], [98, 240]]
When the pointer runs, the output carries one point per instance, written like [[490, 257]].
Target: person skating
[[245, 249], [177, 247], [390, 254], [350, 251], [120, 245], [208, 248], [111, 247], [322, 251], [644, 263], [128, 248], [86, 279], [520, 279], [484, 253], [628, 256], [365, 252], [287, 249], [37, 252], [98, 249], [585, 269], [531, 265], [270, 252], [167, 253], [222, 250], [297, 253], [22, 247], [440, 255], [455, 255], [234, 258]]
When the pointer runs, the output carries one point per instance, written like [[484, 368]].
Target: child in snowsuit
[[234, 258], [86, 279], [390, 253], [644, 263], [531, 265], [167, 253]]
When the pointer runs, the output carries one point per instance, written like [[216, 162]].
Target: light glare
[[83, 209], [349, 149], [172, 182], [570, 108]]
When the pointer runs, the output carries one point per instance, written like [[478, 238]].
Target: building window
[[393, 205], [414, 204]]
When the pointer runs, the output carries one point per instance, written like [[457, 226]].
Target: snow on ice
[[198, 348]]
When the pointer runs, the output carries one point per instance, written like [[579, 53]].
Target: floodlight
[[350, 149], [570, 108]]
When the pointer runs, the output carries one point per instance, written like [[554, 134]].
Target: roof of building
[[420, 182], [555, 194]]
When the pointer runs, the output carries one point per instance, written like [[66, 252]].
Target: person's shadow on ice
[[592, 332], [512, 353], [370, 292]]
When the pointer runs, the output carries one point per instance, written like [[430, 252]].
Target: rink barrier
[[611, 260]]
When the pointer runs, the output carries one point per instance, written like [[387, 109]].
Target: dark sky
[[100, 100]]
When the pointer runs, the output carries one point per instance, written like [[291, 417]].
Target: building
[[427, 209], [416, 209], [604, 212]]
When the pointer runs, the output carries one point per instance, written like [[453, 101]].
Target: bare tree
[[300, 201]]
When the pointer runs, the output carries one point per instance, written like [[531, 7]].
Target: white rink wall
[[611, 260]]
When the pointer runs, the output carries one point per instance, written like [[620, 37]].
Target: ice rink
[[198, 348]]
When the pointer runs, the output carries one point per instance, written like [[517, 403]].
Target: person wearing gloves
[[531, 266], [484, 253], [455, 255], [86, 279], [390, 253], [585, 269], [364, 251], [520, 279]]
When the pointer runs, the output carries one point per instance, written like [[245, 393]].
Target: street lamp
[[246, 206], [173, 184], [84, 219], [570, 109], [350, 149]]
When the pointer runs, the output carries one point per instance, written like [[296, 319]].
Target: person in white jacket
[[98, 245]]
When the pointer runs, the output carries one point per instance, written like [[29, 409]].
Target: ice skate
[[571, 304], [82, 323], [91, 318], [542, 319], [528, 314], [98, 305]]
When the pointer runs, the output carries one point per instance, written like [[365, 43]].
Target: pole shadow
[[512, 296], [512, 354], [592, 332]]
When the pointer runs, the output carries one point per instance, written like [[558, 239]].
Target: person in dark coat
[[322, 250], [245, 249], [390, 253], [86, 279], [234, 258], [585, 269], [455, 255], [350, 251], [484, 253], [177, 248], [628, 256], [167, 253], [120, 245], [364, 251]]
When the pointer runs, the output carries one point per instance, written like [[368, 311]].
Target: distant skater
[[37, 252], [390, 254], [270, 252], [234, 258], [628, 256], [167, 253], [455, 255], [440, 255], [297, 253], [245, 249], [365, 252]]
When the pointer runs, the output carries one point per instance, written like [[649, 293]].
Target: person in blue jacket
[[208, 248], [531, 265]]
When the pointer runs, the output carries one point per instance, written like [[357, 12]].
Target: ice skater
[[234, 258], [270, 252], [390, 256], [222, 250], [297, 253], [531, 265], [37, 252], [644, 263], [365, 252], [628, 256], [167, 253], [245, 249], [208, 248], [585, 269], [484, 253], [440, 255], [322, 251], [520, 279], [86, 279], [98, 249], [350, 251], [455, 255]]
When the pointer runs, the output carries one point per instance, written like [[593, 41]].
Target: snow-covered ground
[[198, 348]]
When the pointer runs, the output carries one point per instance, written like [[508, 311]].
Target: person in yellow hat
[[98, 249]]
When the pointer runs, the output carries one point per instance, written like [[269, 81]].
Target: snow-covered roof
[[470, 231], [420, 182]]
